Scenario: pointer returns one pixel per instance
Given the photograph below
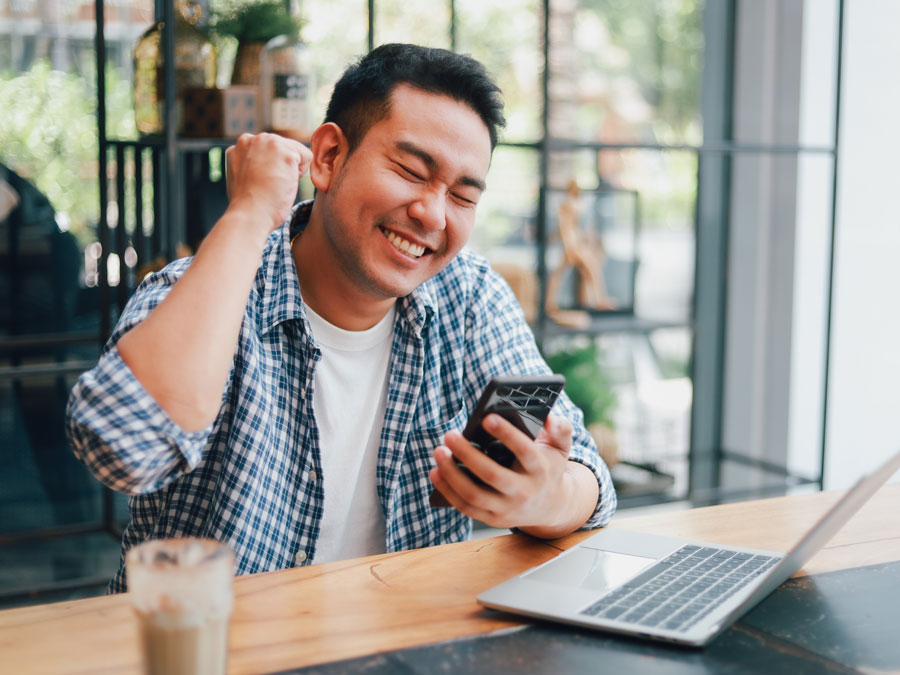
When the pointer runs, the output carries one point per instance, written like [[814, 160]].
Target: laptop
[[663, 588]]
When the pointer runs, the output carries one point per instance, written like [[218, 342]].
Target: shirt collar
[[277, 280], [280, 299], [418, 308]]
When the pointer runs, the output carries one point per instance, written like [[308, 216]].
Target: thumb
[[557, 432], [230, 172]]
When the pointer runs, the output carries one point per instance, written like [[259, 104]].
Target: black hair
[[362, 96]]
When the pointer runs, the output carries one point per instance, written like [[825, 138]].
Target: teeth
[[402, 244]]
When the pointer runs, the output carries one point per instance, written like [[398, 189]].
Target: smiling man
[[297, 389]]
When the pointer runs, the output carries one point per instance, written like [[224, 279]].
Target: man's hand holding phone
[[540, 492], [530, 492]]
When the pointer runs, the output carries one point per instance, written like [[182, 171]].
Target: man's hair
[[362, 97]]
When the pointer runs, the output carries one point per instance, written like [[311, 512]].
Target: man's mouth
[[401, 244]]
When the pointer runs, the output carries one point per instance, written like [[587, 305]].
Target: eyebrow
[[432, 163]]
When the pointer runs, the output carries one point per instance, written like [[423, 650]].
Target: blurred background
[[724, 169]]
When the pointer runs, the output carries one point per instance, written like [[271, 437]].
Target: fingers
[[528, 494], [481, 465], [230, 171], [305, 159], [267, 147], [557, 433], [534, 493], [556, 436], [459, 490], [262, 173], [502, 489]]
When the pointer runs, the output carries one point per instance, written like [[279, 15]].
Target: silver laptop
[[663, 588]]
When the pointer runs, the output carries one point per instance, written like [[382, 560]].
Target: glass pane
[[812, 258], [636, 209], [636, 407], [88, 560], [424, 22], [818, 78], [49, 299], [666, 185], [592, 247], [42, 484], [626, 72], [864, 364], [785, 72], [505, 222], [505, 37], [506, 209], [778, 267], [337, 34], [637, 206]]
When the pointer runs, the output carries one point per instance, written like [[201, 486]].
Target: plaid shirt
[[252, 478]]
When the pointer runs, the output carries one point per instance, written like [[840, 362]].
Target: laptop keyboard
[[678, 591]]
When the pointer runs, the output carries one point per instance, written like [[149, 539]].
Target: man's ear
[[329, 149]]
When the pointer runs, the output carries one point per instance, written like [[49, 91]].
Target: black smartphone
[[524, 400]]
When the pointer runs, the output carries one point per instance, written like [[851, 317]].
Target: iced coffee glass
[[181, 590]]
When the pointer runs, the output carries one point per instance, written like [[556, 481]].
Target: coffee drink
[[183, 644], [181, 590]]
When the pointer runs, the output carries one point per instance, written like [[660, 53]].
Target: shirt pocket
[[422, 442]]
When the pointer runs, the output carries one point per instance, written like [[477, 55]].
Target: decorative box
[[221, 113]]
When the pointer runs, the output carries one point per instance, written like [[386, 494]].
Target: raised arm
[[182, 352]]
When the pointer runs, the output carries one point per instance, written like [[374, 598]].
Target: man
[[297, 389]]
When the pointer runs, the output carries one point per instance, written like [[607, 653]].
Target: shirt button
[[300, 557], [313, 476]]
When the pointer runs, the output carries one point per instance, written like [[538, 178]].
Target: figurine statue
[[584, 253]]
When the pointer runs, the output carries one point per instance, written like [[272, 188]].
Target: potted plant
[[589, 388], [252, 24]]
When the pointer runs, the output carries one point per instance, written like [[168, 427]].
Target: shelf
[[14, 373], [612, 322], [182, 144], [32, 341], [739, 478], [634, 481]]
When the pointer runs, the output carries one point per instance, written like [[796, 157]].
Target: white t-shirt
[[349, 399]]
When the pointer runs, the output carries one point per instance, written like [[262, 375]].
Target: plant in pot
[[588, 385], [252, 24]]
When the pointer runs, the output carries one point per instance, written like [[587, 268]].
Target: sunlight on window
[[112, 269]]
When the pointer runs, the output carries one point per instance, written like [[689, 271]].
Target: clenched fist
[[261, 176]]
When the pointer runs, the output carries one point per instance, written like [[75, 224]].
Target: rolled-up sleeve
[[117, 429]]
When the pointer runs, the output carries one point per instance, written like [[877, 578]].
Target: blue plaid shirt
[[252, 478]]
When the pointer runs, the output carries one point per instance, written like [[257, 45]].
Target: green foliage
[[48, 134], [660, 46], [586, 383], [253, 21], [505, 37]]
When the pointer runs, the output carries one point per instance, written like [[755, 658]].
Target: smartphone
[[524, 400]]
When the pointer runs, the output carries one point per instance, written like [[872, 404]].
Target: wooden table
[[324, 613]]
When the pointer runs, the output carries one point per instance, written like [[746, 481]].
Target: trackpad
[[590, 568]]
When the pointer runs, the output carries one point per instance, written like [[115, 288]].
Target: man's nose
[[429, 209]]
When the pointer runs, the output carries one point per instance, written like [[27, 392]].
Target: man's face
[[402, 205]]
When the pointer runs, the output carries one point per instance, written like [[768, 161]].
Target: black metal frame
[[832, 237]]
